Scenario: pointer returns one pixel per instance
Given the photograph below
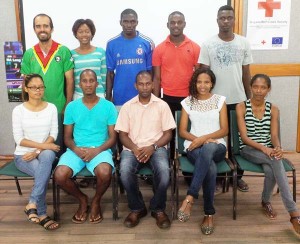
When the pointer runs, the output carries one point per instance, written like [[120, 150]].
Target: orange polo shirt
[[145, 124], [177, 65]]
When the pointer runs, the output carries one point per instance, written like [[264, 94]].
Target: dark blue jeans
[[205, 172], [159, 163]]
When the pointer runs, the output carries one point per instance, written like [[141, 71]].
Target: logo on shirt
[[57, 58], [139, 51]]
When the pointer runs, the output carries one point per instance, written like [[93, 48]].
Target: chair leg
[[18, 186], [172, 193], [115, 196], [294, 186], [54, 200], [234, 194]]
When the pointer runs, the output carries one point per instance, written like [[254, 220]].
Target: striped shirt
[[258, 130], [95, 61]]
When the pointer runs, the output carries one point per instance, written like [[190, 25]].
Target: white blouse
[[34, 126], [204, 116]]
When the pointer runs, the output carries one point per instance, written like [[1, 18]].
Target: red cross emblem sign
[[269, 6]]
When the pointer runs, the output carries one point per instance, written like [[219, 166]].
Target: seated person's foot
[[242, 185], [184, 212], [32, 214], [134, 217], [162, 219], [82, 212], [48, 224], [84, 183], [296, 223], [207, 226], [268, 210], [95, 215]]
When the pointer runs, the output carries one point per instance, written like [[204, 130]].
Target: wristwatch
[[155, 146], [38, 152]]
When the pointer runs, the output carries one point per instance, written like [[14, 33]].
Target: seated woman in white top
[[35, 130], [204, 144]]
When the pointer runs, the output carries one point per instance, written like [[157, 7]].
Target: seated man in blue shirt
[[88, 134]]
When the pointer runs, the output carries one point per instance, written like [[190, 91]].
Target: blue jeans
[[159, 164], [274, 172], [39, 168], [205, 172]]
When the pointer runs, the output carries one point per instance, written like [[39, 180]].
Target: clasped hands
[[199, 141], [86, 153], [275, 153], [143, 154], [46, 146]]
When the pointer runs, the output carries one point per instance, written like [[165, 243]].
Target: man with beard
[[52, 61], [174, 61]]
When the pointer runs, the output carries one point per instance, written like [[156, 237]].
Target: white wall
[[152, 14]]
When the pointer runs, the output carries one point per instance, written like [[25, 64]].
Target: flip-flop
[[32, 211], [48, 222], [82, 218], [96, 220]]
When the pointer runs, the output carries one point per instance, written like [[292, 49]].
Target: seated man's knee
[[103, 171], [61, 174]]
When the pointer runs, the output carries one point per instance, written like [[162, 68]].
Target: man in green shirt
[[52, 61]]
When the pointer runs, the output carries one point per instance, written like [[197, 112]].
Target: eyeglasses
[[34, 88]]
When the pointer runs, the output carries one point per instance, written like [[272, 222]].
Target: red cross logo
[[269, 6], [263, 42]]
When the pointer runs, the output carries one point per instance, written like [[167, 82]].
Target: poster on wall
[[268, 24], [13, 53]]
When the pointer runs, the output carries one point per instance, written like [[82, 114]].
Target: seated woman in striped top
[[259, 143]]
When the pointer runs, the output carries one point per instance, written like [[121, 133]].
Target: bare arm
[[246, 80], [110, 76], [69, 75], [156, 80]]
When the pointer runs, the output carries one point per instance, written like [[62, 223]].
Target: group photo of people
[[84, 107]]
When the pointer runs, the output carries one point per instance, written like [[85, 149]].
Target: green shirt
[[52, 68]]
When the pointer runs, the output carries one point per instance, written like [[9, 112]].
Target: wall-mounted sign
[[13, 53]]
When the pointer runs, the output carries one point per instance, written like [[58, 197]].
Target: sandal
[[206, 228], [296, 223], [49, 224], [242, 186], [32, 215], [82, 218], [269, 211], [96, 220], [181, 215]]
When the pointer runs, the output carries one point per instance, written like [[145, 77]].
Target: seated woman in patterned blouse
[[204, 143]]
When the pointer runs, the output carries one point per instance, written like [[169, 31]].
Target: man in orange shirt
[[174, 61]]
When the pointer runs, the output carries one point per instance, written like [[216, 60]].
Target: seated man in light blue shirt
[[88, 134]]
